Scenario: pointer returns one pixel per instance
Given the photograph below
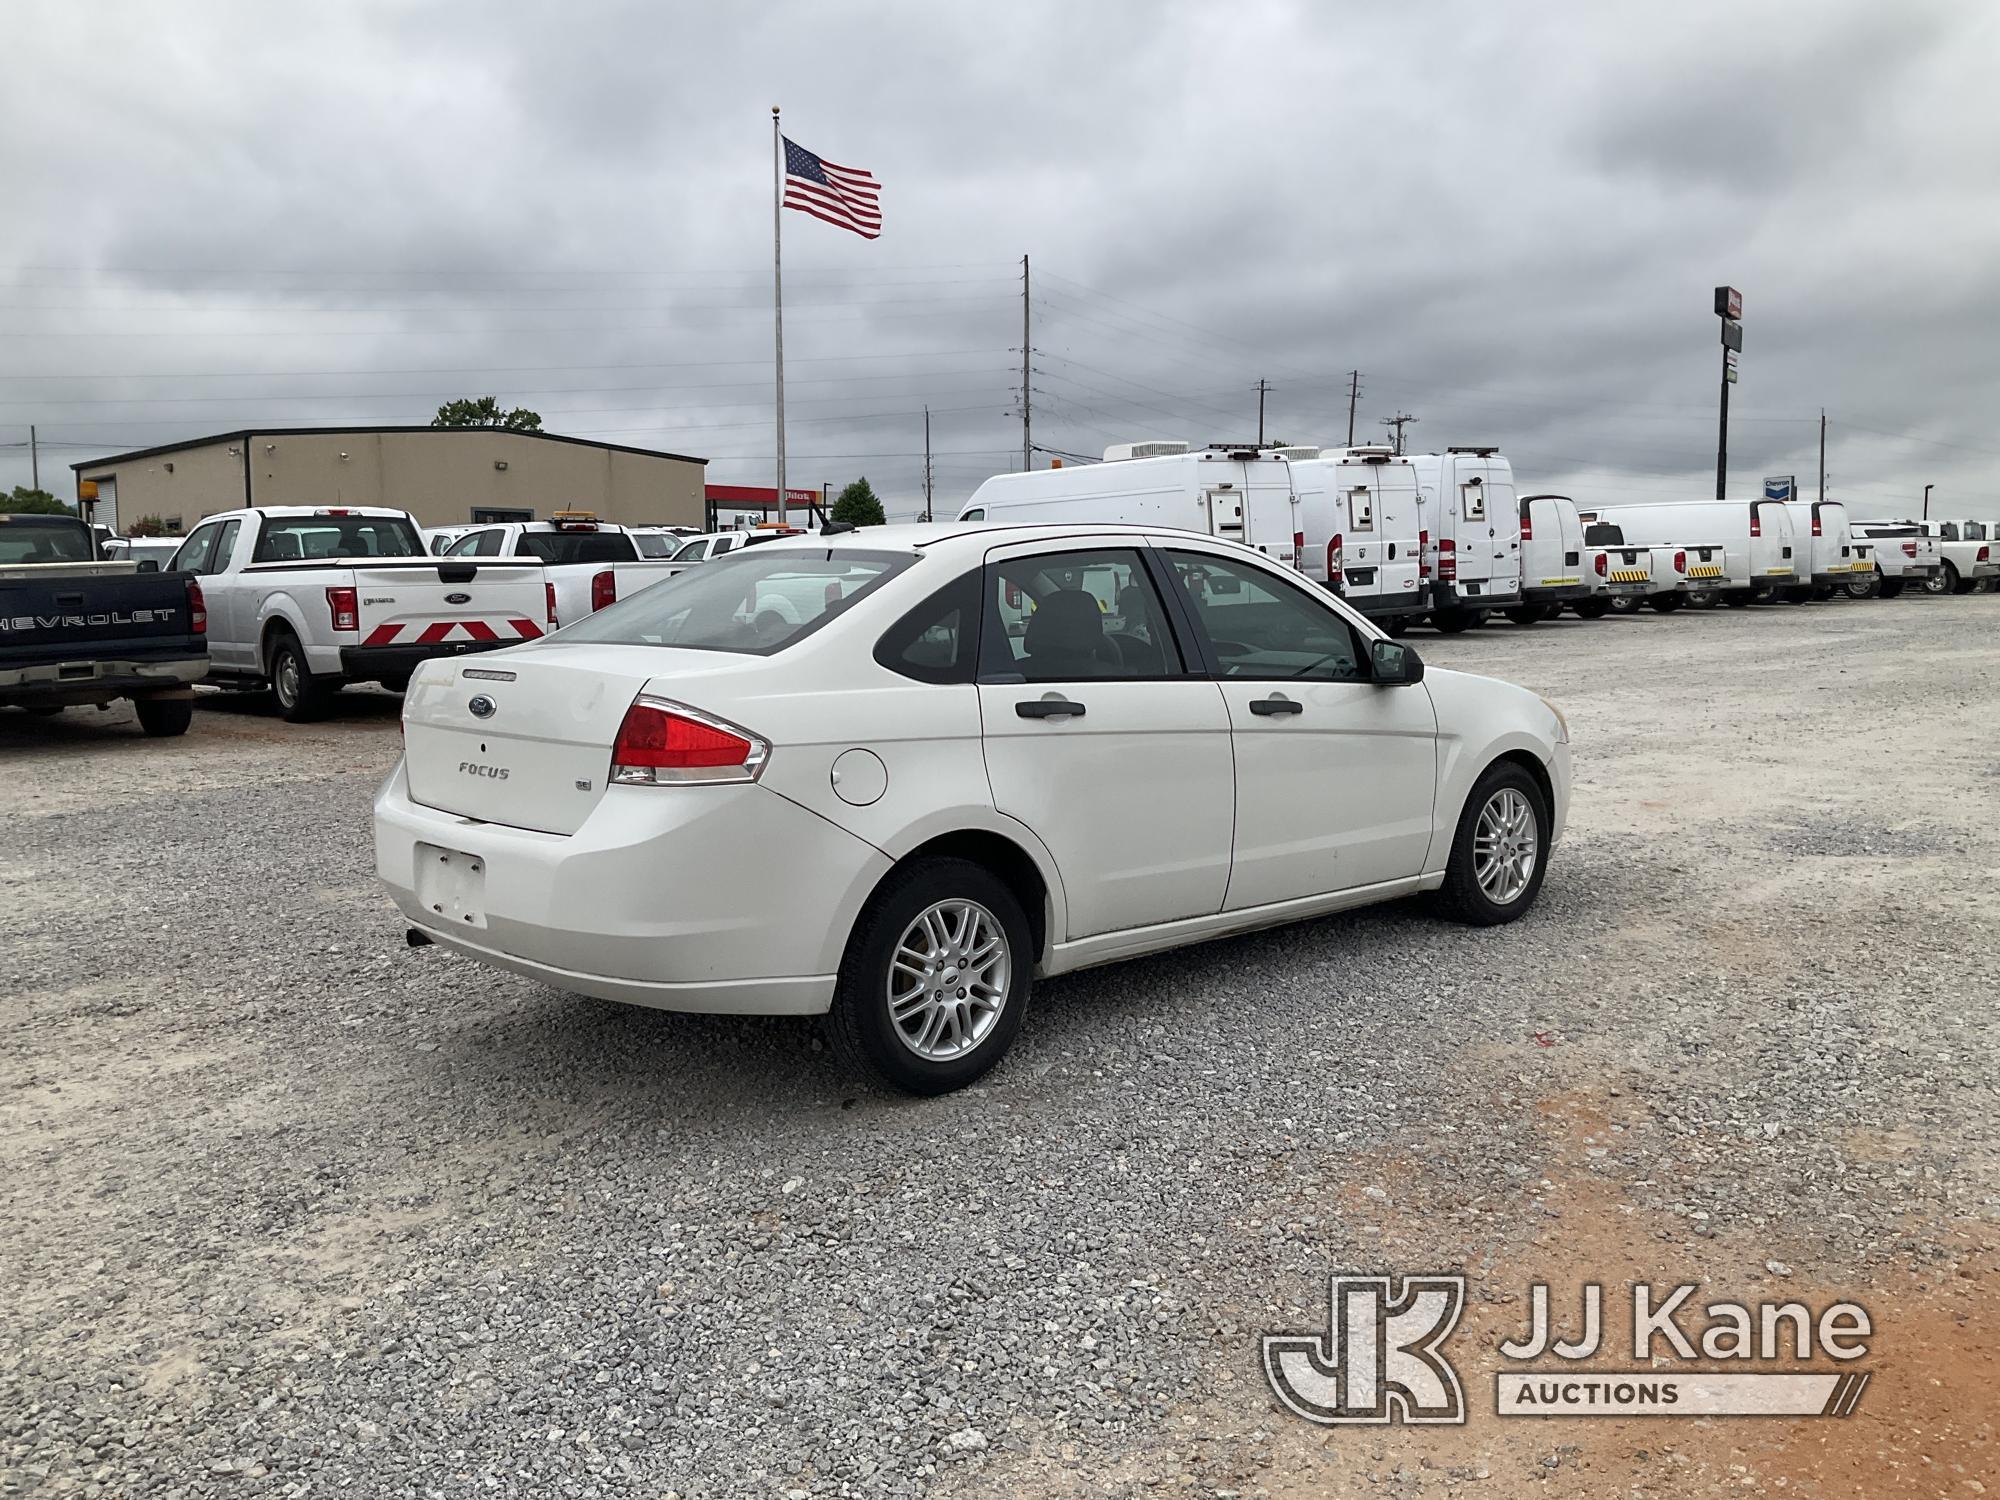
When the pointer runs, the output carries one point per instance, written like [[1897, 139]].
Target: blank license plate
[[452, 886]]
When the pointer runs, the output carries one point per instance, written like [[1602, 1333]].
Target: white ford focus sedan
[[896, 775]]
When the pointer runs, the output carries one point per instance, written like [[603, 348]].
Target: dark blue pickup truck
[[77, 629]]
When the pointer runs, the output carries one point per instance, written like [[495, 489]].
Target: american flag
[[845, 196]]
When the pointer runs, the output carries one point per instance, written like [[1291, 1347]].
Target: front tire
[[1956, 585], [1666, 604], [1457, 621], [1526, 614], [163, 718], [1501, 849], [1892, 588], [1739, 599], [1592, 609], [936, 978], [300, 697]]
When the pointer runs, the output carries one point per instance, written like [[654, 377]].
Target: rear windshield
[[576, 546], [44, 539], [1603, 534], [307, 538], [756, 602]]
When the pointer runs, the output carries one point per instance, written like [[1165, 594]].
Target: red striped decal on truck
[[441, 631]]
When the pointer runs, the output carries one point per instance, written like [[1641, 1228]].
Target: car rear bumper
[[97, 681], [1555, 593], [370, 662], [1471, 595], [729, 899]]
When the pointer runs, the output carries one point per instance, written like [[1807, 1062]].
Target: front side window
[[1063, 616], [693, 551], [1261, 627], [477, 544], [977, 513], [196, 550], [756, 604], [314, 538]]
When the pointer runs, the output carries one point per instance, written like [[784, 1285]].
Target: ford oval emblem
[[482, 706], [458, 598]]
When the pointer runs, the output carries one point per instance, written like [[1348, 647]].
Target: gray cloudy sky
[[1509, 217]]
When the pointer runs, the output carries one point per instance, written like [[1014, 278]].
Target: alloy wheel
[[948, 979], [1503, 846]]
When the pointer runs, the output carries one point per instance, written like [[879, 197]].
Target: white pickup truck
[[305, 600], [587, 563], [1904, 554], [1964, 547]]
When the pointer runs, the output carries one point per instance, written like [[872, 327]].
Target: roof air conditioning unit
[[1157, 448]]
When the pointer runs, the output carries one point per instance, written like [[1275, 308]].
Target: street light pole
[[1927, 501]]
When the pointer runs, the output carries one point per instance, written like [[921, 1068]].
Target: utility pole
[[1353, 395], [927, 465], [1027, 396], [1927, 501], [1822, 455], [1729, 308], [1397, 422], [34, 459], [1262, 387]]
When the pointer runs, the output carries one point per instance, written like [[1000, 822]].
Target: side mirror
[[1393, 664], [149, 565]]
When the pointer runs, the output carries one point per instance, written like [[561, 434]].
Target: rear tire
[[400, 683], [1626, 604], [1956, 585], [1701, 599], [1666, 604], [1591, 609], [1457, 621], [1867, 586], [1526, 614], [1739, 599], [1892, 588], [1500, 851], [162, 718], [885, 1002], [1396, 626], [300, 696]]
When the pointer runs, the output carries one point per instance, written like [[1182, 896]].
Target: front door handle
[[1049, 708], [1266, 707], [1392, 552]]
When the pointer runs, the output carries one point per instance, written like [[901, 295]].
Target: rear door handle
[[1049, 708], [1266, 707]]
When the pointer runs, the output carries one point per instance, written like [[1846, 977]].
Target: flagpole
[[778, 289]]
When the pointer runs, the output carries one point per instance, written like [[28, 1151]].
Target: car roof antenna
[[835, 528]]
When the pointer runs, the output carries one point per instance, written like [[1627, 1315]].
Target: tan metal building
[[442, 475]]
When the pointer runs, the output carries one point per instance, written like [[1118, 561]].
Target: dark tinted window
[[938, 641], [1069, 616], [577, 546], [33, 539], [310, 538], [1603, 534]]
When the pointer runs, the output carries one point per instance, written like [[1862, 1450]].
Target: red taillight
[[197, 609], [1334, 559], [1680, 562], [1299, 550], [1603, 566], [345, 607], [1909, 549], [661, 743], [1527, 527], [1756, 524], [1447, 560], [603, 589], [1423, 554], [1816, 530], [549, 593], [1982, 555]]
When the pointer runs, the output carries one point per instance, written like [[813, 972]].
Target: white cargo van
[[1471, 534], [1238, 491], [1552, 573], [1358, 508], [1825, 546], [1753, 537]]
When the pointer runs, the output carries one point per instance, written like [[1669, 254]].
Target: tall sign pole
[[778, 289], [1729, 308], [1027, 375]]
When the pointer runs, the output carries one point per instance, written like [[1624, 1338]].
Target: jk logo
[[1378, 1360]]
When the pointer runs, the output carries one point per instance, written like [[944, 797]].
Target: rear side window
[[756, 603], [1069, 616], [653, 545], [938, 641]]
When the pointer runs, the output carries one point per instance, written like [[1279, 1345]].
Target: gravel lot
[[289, 1208]]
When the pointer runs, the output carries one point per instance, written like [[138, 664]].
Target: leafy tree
[[857, 505], [27, 502], [147, 526], [484, 411]]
